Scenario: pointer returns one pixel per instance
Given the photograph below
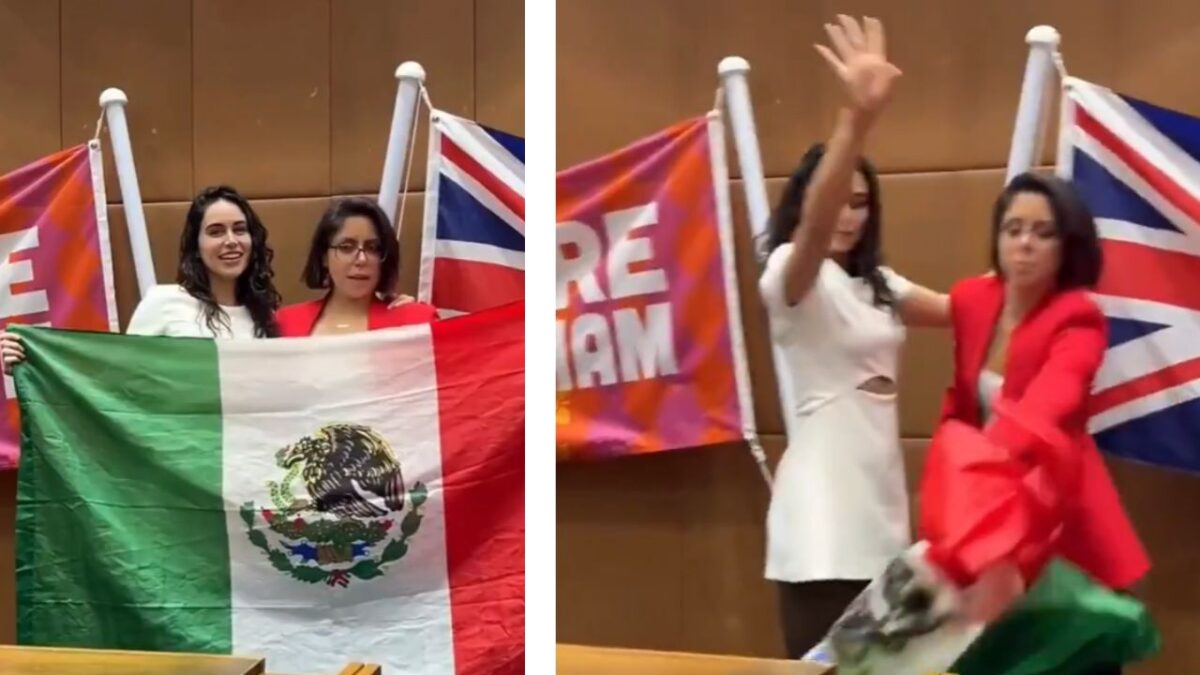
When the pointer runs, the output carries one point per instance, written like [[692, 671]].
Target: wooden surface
[[581, 660], [361, 669], [42, 661]]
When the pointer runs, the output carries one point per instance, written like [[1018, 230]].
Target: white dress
[[170, 310], [839, 508]]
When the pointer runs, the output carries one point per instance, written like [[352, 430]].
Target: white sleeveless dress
[[839, 508]]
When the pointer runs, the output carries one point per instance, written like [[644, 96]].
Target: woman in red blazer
[[1013, 477], [354, 254]]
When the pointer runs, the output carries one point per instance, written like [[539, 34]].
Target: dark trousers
[[808, 609]]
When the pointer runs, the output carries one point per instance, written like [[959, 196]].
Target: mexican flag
[[312, 501]]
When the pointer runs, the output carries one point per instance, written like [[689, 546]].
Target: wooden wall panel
[[155, 72], [260, 98], [1157, 48], [29, 82], [372, 37], [500, 65], [620, 552], [626, 69], [725, 499], [954, 107]]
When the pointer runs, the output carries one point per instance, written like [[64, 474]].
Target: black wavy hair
[[866, 257], [255, 289]]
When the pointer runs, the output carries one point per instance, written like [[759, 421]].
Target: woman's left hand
[[400, 300]]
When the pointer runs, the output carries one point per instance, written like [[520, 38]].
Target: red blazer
[[1040, 424], [299, 320]]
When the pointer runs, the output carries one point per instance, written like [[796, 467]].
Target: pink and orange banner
[[649, 344], [55, 260]]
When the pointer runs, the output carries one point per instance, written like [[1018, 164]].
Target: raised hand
[[859, 59]]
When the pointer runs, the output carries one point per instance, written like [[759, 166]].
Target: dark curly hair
[[866, 257], [255, 288]]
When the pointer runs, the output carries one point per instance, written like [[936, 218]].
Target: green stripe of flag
[[153, 553]]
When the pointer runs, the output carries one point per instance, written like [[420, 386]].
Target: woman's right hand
[[11, 350], [859, 59], [998, 587]]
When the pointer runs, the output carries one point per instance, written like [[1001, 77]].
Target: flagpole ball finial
[[1043, 35], [112, 95], [410, 70], [732, 65]]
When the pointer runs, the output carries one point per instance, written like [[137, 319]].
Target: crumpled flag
[[1066, 624], [981, 504], [908, 621]]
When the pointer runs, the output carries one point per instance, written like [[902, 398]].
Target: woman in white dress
[[225, 283], [839, 507]]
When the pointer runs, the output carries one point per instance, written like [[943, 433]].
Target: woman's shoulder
[[979, 284], [1075, 306], [160, 307], [166, 297], [408, 313], [166, 293]]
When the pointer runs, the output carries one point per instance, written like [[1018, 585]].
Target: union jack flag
[[1138, 167], [473, 241]]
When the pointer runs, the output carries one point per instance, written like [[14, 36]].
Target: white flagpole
[[113, 102], [1043, 43], [736, 92], [411, 77], [737, 337], [732, 72]]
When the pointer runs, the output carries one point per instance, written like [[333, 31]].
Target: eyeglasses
[[349, 250]]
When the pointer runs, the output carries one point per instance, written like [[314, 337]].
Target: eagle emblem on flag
[[354, 487]]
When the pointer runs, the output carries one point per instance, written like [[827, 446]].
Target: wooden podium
[[579, 660], [49, 661]]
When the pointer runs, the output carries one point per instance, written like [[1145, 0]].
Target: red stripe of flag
[[1159, 380], [1164, 184], [506, 195], [469, 286], [480, 361], [1145, 273]]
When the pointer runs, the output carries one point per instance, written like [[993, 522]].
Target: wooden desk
[[578, 660], [44, 661]]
